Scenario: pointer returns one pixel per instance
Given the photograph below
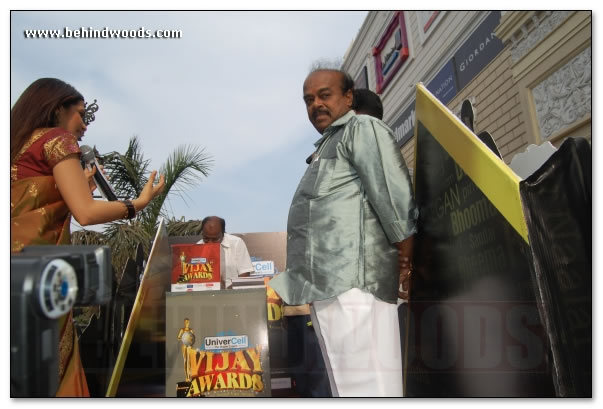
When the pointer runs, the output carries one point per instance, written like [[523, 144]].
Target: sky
[[232, 85]]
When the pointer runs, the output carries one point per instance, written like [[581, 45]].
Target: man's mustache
[[320, 111]]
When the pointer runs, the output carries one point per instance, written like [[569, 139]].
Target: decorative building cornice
[[564, 97], [525, 32]]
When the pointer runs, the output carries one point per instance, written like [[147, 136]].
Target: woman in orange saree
[[40, 216], [48, 185]]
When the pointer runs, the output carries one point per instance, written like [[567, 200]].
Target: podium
[[224, 344], [217, 344]]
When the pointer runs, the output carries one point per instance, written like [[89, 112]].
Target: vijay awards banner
[[217, 344]]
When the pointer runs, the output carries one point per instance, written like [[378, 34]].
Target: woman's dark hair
[[36, 108]]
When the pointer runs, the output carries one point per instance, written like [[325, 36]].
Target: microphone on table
[[102, 183]]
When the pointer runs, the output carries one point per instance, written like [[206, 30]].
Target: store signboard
[[391, 52], [443, 86], [404, 125], [477, 52]]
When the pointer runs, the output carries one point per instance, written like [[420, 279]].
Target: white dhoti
[[360, 340]]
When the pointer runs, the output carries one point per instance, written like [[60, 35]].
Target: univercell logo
[[230, 342]]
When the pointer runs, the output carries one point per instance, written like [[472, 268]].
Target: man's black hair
[[347, 83], [368, 103], [221, 220]]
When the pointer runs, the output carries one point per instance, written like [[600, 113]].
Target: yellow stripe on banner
[[491, 175], [125, 346], [161, 234]]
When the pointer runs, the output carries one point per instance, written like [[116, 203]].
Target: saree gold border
[[491, 175], [34, 137]]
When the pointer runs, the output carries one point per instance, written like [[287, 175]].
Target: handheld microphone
[[103, 185]]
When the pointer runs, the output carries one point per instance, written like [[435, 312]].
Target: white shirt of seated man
[[234, 257]]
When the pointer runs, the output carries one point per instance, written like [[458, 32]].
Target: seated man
[[235, 261]]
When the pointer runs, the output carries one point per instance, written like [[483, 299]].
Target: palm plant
[[185, 166], [183, 227]]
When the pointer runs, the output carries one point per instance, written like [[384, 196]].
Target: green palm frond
[[123, 237], [183, 169], [119, 237], [128, 173], [183, 227], [88, 238]]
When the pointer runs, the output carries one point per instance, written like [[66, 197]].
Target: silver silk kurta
[[353, 202]]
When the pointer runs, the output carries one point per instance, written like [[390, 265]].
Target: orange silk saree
[[39, 216]]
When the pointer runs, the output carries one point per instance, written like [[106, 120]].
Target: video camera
[[46, 283]]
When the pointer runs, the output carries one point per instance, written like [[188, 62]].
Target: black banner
[[558, 206], [474, 326]]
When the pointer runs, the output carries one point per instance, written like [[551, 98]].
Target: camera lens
[[58, 288]]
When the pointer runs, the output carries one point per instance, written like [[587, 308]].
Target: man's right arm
[[387, 184], [385, 179]]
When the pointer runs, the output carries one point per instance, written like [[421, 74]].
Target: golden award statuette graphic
[[186, 336]]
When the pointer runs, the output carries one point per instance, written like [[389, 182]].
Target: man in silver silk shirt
[[349, 240]]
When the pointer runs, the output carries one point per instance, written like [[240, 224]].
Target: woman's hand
[[75, 191], [89, 173], [149, 191]]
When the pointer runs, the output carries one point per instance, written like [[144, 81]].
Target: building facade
[[527, 73]]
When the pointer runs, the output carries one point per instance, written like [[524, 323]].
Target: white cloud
[[231, 84]]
